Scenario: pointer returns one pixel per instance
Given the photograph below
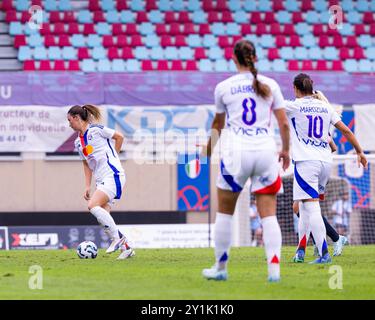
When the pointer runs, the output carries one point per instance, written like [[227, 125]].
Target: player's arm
[[282, 121], [217, 126], [88, 177], [332, 145], [119, 139], [348, 134]]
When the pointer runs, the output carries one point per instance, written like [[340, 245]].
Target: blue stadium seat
[[370, 53], [194, 41], [364, 65], [347, 29], [233, 29], [78, 40], [15, 28], [291, 5], [199, 17], [260, 53], [152, 40], [193, 5], [35, 40], [186, 53], [146, 28], [65, 5], [315, 53], [372, 5], [104, 65], [264, 65], [284, 17], [362, 6], [88, 65], [308, 41], [365, 40], [232, 66], [133, 65], [108, 5], [253, 38], [347, 5], [118, 65], [209, 40], [103, 28], [320, 5], [234, 5], [350, 65], [99, 53], [93, 40], [22, 5], [171, 53], [286, 53], [127, 16], [267, 41], [303, 28], [205, 65], [215, 53], [69, 53], [178, 5], [29, 31], [40, 53], [137, 5], [250, 6], [221, 65], [112, 16], [241, 17], [84, 16], [155, 16], [165, 5], [24, 53], [156, 53], [141, 53], [279, 65], [312, 17], [330, 53], [264, 6], [218, 29], [51, 5], [354, 17], [325, 17], [54, 53], [301, 53]]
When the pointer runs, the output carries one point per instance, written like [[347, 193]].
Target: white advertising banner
[[364, 116], [168, 235]]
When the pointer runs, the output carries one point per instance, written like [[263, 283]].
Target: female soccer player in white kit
[[245, 103], [100, 158], [311, 118]]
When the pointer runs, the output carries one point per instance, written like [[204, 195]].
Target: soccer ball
[[87, 249]]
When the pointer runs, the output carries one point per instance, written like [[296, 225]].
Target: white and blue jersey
[[248, 148], [95, 146]]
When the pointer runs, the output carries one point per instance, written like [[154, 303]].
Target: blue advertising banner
[[193, 176]]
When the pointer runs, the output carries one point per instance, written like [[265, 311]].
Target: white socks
[[272, 244], [106, 220], [223, 238], [303, 228], [316, 223]]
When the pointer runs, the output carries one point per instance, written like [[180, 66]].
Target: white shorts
[[310, 179], [261, 166], [112, 186]]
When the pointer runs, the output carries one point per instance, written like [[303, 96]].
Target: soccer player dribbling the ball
[[101, 160]]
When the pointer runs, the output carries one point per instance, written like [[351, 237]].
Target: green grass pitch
[[176, 274]]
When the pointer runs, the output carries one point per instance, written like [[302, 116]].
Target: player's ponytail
[[86, 112], [304, 84], [244, 51], [93, 111]]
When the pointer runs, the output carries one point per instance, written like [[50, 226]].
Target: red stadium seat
[[25, 16], [306, 5], [200, 53], [324, 41], [45, 65], [11, 16], [318, 29], [297, 17], [208, 5], [351, 41], [213, 16], [321, 65], [59, 28], [183, 17], [368, 17], [151, 5], [372, 29], [108, 41], [117, 29], [224, 41], [170, 17], [345, 53], [269, 18], [121, 5], [277, 5], [64, 41], [147, 65], [307, 65], [59, 65], [49, 40], [94, 5], [246, 29], [204, 28], [7, 5], [293, 65], [36, 3], [68, 16], [98, 16], [29, 65], [141, 17], [46, 29], [131, 28], [188, 28], [261, 28], [113, 53], [89, 28], [83, 53], [226, 17], [166, 41], [228, 53], [191, 65], [280, 41], [73, 65], [177, 65], [135, 40], [73, 28], [19, 40], [180, 41], [294, 41], [122, 41], [359, 29], [289, 29], [54, 16], [221, 5], [127, 53], [174, 29], [337, 65], [275, 29], [273, 53], [359, 53], [255, 17], [161, 29]]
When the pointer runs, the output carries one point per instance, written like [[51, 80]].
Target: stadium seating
[[169, 35]]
